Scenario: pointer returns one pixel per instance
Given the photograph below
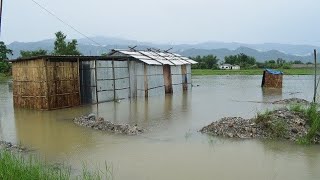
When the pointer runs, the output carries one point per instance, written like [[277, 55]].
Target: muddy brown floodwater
[[172, 147]]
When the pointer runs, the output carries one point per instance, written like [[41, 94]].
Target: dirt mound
[[281, 123], [292, 101], [91, 121]]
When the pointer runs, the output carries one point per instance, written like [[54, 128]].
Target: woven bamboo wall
[[45, 85], [272, 81], [63, 84], [29, 84]]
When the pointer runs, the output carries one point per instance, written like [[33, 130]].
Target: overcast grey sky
[[169, 21]]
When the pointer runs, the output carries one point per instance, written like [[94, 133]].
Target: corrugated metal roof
[[158, 58]]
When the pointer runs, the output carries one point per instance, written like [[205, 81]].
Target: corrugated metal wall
[[146, 80], [114, 80], [139, 79], [189, 76], [121, 79], [155, 80], [177, 82], [105, 81]]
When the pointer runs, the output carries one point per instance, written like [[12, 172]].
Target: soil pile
[[292, 101], [91, 121], [281, 123]]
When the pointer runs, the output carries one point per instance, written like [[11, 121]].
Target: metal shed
[[54, 82], [155, 73]]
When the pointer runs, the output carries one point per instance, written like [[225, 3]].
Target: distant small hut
[[272, 78]]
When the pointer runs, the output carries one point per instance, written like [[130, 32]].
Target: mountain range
[[262, 52]]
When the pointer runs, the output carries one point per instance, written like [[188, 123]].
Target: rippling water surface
[[172, 147]]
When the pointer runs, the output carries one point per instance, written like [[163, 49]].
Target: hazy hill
[[261, 52], [259, 55]]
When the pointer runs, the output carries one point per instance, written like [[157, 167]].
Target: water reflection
[[51, 131], [271, 94]]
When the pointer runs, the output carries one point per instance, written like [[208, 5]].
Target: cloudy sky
[[167, 21]]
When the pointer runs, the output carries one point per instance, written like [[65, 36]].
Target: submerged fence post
[[315, 76]]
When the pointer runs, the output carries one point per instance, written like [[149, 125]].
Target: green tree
[[272, 62], [61, 47], [27, 54], [243, 60], [206, 62], [281, 61], [5, 67], [297, 62]]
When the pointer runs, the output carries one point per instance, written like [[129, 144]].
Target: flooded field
[[172, 147]]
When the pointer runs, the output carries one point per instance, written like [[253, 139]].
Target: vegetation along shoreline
[[205, 72], [300, 123]]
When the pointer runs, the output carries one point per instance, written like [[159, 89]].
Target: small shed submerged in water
[[54, 82], [272, 78]]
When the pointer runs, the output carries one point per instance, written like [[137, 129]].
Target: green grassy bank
[[302, 71], [17, 166]]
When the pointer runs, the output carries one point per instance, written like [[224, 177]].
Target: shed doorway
[[167, 79]]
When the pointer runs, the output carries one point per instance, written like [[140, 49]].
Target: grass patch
[[313, 116], [3, 76], [97, 174], [263, 118], [314, 121], [300, 71], [16, 166], [298, 108], [277, 128]]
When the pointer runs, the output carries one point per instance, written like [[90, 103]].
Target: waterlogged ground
[[171, 148]]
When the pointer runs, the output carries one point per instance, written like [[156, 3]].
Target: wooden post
[[315, 76], [114, 81], [96, 78], [79, 79], [146, 90], [128, 64]]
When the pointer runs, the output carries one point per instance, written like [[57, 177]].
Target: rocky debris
[[11, 147], [292, 101], [281, 123], [91, 121]]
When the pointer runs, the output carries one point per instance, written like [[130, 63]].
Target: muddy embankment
[[91, 121], [277, 124]]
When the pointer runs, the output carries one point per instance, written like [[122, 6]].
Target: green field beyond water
[[304, 71], [197, 72]]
